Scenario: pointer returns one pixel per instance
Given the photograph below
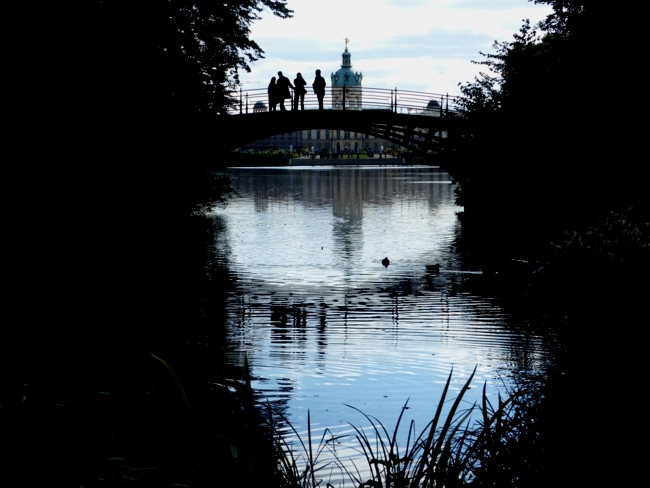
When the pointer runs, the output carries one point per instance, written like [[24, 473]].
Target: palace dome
[[259, 106], [345, 75]]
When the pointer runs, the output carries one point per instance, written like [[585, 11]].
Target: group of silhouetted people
[[279, 91]]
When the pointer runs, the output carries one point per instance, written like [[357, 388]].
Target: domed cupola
[[433, 109], [347, 63], [350, 98], [346, 76]]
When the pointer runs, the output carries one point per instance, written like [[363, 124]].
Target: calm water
[[324, 324]]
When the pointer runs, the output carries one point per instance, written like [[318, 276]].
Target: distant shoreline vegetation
[[279, 157]]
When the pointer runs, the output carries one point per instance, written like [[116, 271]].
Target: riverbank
[[347, 162], [250, 160]]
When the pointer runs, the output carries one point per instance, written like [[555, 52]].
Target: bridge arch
[[419, 133]]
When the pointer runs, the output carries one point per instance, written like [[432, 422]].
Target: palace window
[[327, 135], [346, 134], [318, 134], [309, 134]]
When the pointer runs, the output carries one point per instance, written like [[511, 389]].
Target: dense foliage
[[552, 155], [547, 121], [182, 56], [119, 120], [162, 76]]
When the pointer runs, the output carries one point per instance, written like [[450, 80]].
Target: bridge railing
[[355, 98]]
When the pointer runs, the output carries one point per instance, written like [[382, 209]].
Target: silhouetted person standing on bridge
[[283, 90], [319, 89], [299, 92], [273, 95]]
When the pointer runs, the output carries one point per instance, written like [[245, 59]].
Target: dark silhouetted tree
[[113, 135], [545, 121], [176, 58]]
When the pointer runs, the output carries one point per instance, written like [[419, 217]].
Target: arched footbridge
[[418, 121]]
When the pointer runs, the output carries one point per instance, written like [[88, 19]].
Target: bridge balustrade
[[377, 99]]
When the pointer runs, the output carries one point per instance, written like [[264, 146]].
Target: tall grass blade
[[430, 462], [432, 431], [305, 476], [311, 453], [176, 381], [373, 459], [393, 442]]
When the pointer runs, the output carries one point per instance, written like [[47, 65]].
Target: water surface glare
[[324, 324]]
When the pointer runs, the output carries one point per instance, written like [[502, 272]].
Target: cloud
[[463, 4], [424, 73], [438, 43], [298, 50], [408, 3], [487, 5], [412, 44]]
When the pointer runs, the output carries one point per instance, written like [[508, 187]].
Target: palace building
[[349, 80], [340, 140]]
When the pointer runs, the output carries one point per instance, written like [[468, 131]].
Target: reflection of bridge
[[415, 120]]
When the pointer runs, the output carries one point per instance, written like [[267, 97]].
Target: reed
[[300, 468], [431, 458], [448, 452]]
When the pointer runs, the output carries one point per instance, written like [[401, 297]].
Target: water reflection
[[323, 323]]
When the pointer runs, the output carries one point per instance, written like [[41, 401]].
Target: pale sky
[[422, 45]]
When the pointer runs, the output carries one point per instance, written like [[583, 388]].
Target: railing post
[[391, 99], [240, 102], [395, 99], [442, 100], [247, 103]]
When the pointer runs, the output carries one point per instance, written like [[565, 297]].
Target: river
[[324, 324]]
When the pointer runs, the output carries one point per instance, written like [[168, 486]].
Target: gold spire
[[346, 42]]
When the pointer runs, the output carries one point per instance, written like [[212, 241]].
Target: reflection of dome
[[259, 107], [345, 75], [433, 104]]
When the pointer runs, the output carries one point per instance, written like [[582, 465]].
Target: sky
[[421, 45]]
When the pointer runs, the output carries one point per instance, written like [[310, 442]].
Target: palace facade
[[341, 140]]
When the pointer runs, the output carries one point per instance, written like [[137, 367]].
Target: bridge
[[419, 121]]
